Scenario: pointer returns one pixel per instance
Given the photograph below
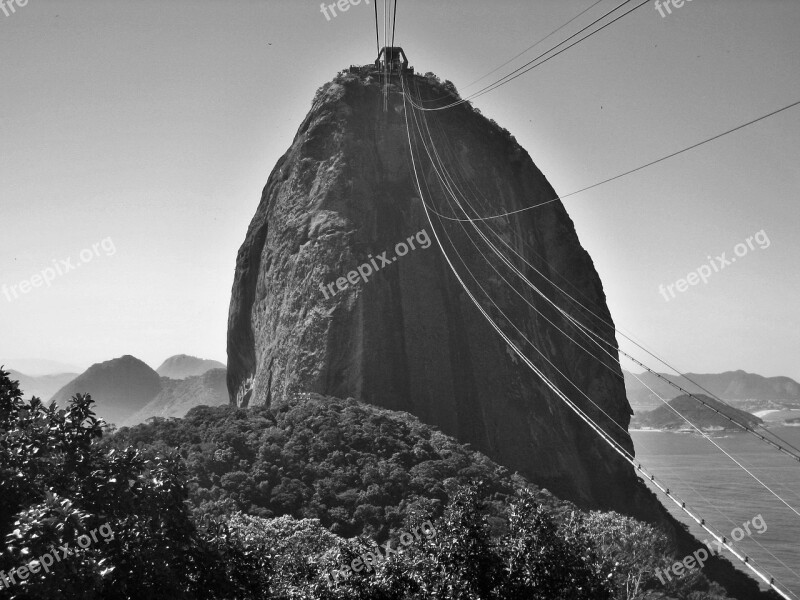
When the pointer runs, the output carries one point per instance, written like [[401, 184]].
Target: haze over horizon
[[38, 367], [151, 129]]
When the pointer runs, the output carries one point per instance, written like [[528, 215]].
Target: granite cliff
[[408, 339]]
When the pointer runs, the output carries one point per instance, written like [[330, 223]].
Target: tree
[[58, 485], [548, 562], [635, 548]]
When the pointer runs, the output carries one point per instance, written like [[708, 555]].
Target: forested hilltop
[[263, 503], [357, 468]]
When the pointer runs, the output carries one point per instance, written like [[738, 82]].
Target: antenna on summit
[[391, 59]]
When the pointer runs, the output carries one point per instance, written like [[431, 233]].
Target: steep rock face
[[409, 338]]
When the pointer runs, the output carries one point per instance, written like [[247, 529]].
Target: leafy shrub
[[460, 559], [58, 483]]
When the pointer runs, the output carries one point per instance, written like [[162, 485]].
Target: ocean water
[[726, 496]]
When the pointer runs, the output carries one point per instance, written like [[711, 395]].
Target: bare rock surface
[[409, 338]]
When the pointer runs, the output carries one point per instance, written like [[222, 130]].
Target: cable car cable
[[394, 21], [531, 47], [615, 446], [514, 74], [603, 340], [630, 171]]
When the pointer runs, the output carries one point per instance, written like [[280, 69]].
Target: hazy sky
[[148, 129]]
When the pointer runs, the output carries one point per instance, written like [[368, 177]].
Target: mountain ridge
[[181, 366], [699, 415], [121, 385], [179, 396], [37, 367], [41, 386], [127, 390], [738, 386]]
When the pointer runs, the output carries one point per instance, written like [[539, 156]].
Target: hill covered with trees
[[292, 502], [355, 467], [178, 396], [672, 416]]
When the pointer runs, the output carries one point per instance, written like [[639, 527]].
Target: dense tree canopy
[[57, 483], [356, 468], [274, 503]]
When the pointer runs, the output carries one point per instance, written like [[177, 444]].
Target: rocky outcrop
[[408, 338]]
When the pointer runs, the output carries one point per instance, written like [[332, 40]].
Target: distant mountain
[[182, 366], [736, 386], [119, 387], [34, 367], [701, 416], [43, 386], [177, 397]]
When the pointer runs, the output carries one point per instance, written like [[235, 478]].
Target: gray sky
[[148, 130]]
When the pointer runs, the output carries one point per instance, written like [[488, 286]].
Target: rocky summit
[[407, 337]]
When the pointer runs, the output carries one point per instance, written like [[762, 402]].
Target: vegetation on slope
[[178, 396], [58, 483], [665, 417], [355, 467], [500, 539]]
